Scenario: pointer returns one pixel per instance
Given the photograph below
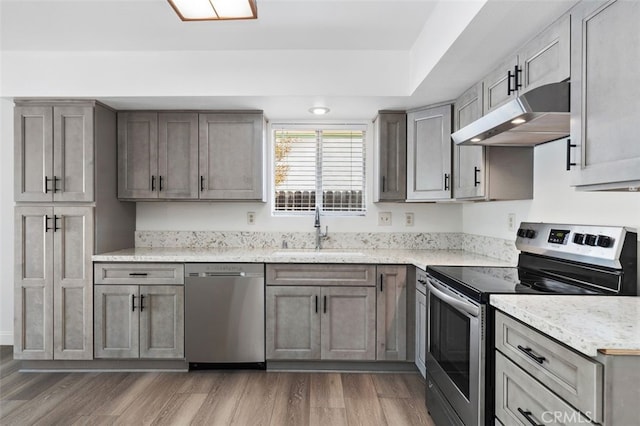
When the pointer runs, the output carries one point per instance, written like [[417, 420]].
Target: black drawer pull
[[201, 183], [316, 304], [153, 183], [530, 354], [527, 415], [569, 146], [160, 183], [141, 302], [325, 304], [381, 281], [138, 274], [133, 303], [476, 181]]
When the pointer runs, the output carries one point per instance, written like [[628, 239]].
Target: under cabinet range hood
[[538, 116]]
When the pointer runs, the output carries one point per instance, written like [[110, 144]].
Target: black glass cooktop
[[478, 282]]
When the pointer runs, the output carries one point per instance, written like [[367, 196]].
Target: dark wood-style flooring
[[209, 398]]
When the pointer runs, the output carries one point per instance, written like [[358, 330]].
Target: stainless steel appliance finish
[[538, 116], [554, 259], [224, 314]]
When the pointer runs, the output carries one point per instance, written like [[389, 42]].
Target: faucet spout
[[319, 234], [317, 220]]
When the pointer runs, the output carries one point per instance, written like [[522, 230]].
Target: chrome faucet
[[319, 234]]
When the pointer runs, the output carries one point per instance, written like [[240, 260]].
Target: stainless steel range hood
[[538, 116]]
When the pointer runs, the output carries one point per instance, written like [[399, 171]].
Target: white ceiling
[[284, 28]]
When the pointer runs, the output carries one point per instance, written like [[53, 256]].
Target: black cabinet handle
[[569, 146], [55, 184], [138, 274], [141, 302], [476, 182], [201, 183], [47, 228], [509, 77], [516, 76], [381, 281], [316, 304], [325, 304], [133, 303], [46, 184], [55, 223], [160, 183], [527, 415], [383, 184], [530, 354], [446, 181], [153, 183]]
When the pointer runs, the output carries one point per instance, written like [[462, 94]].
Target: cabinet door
[[468, 161], [391, 310], [33, 153], [293, 322], [421, 333], [497, 84], [231, 156], [178, 155], [73, 154], [161, 321], [391, 140], [116, 321], [429, 154], [73, 283], [137, 154], [547, 58], [605, 89], [33, 298], [348, 324]]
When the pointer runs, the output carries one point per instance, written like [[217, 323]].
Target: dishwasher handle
[[217, 274]]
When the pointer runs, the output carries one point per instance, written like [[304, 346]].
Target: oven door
[[456, 351]]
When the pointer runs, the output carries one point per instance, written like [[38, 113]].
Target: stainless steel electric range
[[554, 259]]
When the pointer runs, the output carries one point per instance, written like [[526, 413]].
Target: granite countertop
[[609, 324], [419, 258]]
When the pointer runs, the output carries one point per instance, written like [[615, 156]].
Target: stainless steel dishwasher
[[224, 315]]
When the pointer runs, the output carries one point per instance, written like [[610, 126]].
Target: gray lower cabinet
[[421, 332], [390, 171], [231, 156], [605, 88], [54, 151], [53, 283], [157, 155], [429, 154], [321, 323], [144, 321], [391, 310]]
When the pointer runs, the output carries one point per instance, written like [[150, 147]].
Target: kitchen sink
[[314, 253]]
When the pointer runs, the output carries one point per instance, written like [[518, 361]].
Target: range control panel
[[576, 242]]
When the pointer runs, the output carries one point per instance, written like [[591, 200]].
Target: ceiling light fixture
[[319, 110], [214, 10]]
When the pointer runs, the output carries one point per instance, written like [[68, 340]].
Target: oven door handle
[[454, 301]]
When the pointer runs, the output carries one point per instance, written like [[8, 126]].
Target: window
[[320, 166]]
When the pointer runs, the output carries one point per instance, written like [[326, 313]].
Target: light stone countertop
[[419, 258], [586, 323]]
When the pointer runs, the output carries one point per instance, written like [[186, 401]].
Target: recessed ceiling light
[[319, 110], [518, 121], [214, 10], [476, 140]]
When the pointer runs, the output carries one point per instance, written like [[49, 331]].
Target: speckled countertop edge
[[586, 323]]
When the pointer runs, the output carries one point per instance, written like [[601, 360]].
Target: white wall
[[6, 222], [554, 200]]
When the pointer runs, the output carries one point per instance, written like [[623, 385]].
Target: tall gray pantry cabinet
[[67, 210]]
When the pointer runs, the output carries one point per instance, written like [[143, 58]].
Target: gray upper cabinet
[[468, 161], [231, 156], [544, 59], [391, 310], [604, 95], [157, 155], [429, 154], [391, 156], [54, 152], [53, 283]]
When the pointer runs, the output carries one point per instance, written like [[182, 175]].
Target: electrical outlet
[[408, 219], [384, 219], [251, 218], [511, 221]]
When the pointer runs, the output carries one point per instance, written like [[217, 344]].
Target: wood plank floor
[[209, 398]]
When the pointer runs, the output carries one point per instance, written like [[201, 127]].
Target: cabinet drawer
[[138, 273], [575, 378], [321, 274], [521, 400]]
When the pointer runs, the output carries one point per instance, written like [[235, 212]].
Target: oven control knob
[[522, 232], [590, 239], [604, 241], [530, 233], [578, 239]]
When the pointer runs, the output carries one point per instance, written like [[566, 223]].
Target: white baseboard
[[6, 338]]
